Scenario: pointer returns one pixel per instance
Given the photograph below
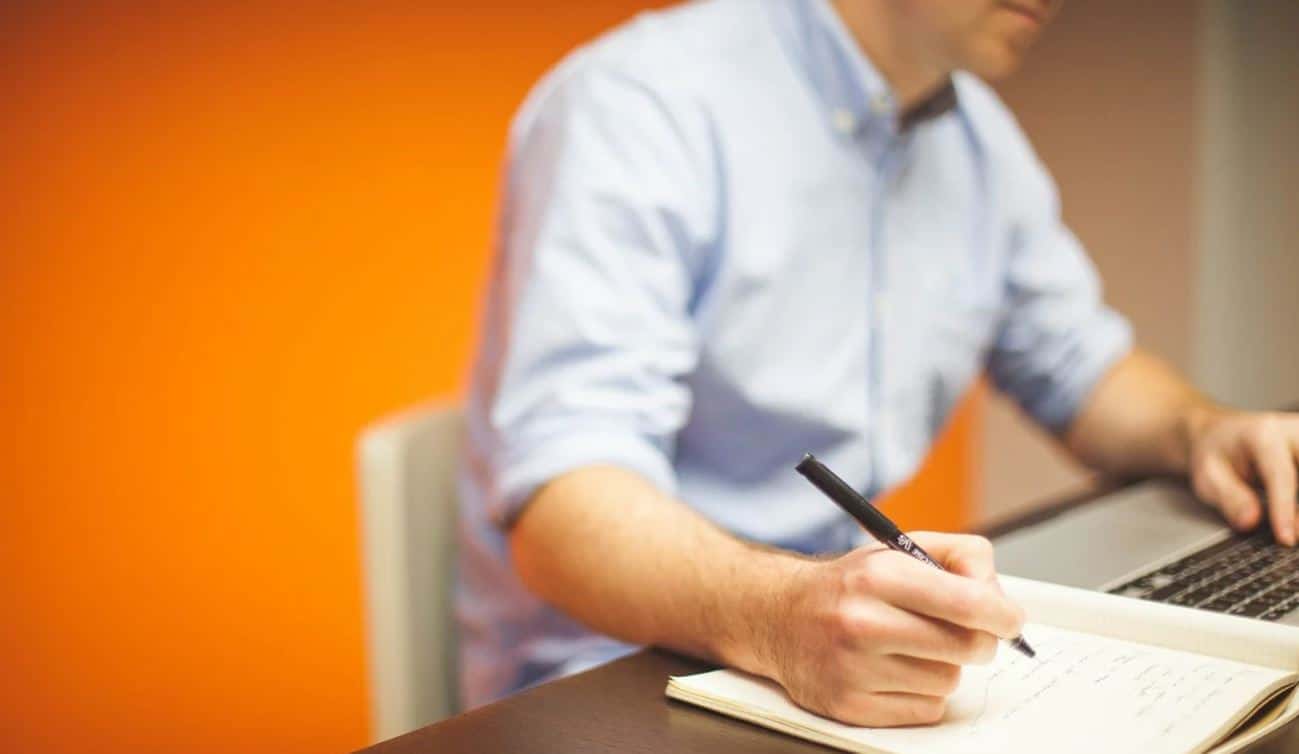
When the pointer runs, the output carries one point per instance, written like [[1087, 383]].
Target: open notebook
[[1112, 674]]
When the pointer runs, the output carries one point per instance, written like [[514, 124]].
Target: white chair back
[[406, 469]]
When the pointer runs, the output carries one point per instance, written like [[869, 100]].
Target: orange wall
[[230, 235]]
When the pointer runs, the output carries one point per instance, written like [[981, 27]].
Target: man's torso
[[845, 294]]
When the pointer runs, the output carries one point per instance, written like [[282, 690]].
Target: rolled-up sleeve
[[588, 336], [1058, 337]]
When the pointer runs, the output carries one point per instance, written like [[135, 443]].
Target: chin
[[994, 61]]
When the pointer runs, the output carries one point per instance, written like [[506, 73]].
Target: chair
[[406, 466]]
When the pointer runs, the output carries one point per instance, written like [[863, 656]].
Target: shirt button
[[881, 104], [881, 306], [844, 122]]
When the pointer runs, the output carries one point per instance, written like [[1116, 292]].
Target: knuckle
[[981, 545], [852, 626], [836, 625], [1264, 430], [869, 576], [866, 579], [852, 580], [846, 626], [880, 574]]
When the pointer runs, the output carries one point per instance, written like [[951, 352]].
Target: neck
[[899, 54]]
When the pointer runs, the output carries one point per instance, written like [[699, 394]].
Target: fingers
[[966, 602], [916, 675], [885, 629], [943, 642], [1219, 484], [887, 709], [960, 553], [1274, 458], [1293, 442]]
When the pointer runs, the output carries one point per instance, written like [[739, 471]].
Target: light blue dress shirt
[[717, 251]]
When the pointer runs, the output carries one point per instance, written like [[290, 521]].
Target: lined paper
[[1083, 693]]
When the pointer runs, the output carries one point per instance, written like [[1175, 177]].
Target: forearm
[[609, 549], [871, 637], [1140, 419]]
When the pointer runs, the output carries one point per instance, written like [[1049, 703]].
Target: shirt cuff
[[1106, 342], [525, 470]]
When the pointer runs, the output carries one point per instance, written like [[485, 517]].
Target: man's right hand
[[877, 638]]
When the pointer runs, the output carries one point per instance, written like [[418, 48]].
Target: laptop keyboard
[[1250, 576]]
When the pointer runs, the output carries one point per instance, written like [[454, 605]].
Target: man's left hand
[[1232, 453]]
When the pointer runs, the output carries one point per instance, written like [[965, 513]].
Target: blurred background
[[234, 233]]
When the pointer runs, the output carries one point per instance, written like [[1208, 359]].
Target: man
[[742, 230]]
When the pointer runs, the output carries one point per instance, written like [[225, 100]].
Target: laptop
[[1155, 541]]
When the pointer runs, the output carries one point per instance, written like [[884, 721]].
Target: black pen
[[875, 522]]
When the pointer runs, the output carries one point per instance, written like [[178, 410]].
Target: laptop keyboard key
[[1250, 576]]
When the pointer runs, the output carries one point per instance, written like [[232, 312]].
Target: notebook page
[[1243, 639], [1083, 694], [1284, 709]]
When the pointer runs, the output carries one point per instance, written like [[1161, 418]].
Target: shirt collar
[[850, 86]]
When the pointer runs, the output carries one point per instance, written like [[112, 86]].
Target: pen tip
[[1021, 645]]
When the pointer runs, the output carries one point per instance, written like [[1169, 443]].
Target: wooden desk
[[621, 707]]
